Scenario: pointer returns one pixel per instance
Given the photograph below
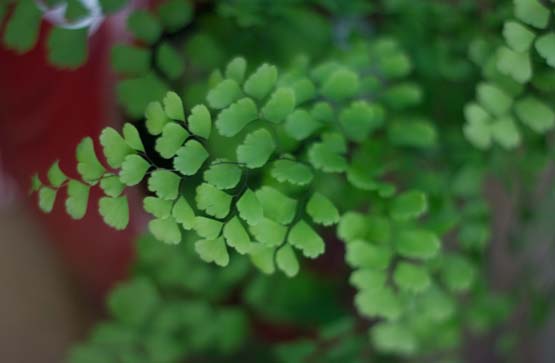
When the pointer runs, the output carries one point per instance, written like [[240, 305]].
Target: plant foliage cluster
[[345, 132]]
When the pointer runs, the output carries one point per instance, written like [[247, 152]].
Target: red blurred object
[[44, 113]]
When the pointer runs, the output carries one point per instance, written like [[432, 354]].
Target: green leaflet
[[165, 184], [130, 60], [409, 205], [505, 132], [225, 93], [477, 128], [213, 251], [286, 261], [378, 302], [290, 171], [236, 236], [365, 279], [183, 213], [159, 208], [535, 114], [144, 26], [304, 90], [417, 243], [457, 273], [56, 176], [546, 48], [532, 12], [156, 118], [411, 277], [518, 36], [268, 232], [494, 99], [340, 85], [413, 133], [517, 65], [207, 227], [324, 157], [403, 95], [47, 197], [23, 27], [67, 48], [276, 205], [303, 237], [136, 93], [259, 84], [236, 69], [256, 149], [172, 138], [77, 199], [114, 211], [133, 301], [249, 208], [175, 14], [213, 201], [234, 118], [200, 121], [173, 106], [322, 210], [394, 338], [115, 147], [300, 125], [169, 61], [165, 230], [112, 6], [35, 183], [223, 174], [189, 158], [363, 254], [132, 137], [88, 165], [360, 119], [133, 170], [352, 226], [111, 185], [280, 105]]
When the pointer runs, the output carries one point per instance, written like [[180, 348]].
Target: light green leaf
[[175, 14], [505, 132], [233, 119], [77, 199], [276, 205], [165, 184], [280, 104], [366, 279], [212, 200], [67, 48], [323, 157], [133, 302], [532, 12], [417, 243], [249, 208], [360, 119], [132, 137], [477, 128], [375, 303], [223, 174], [236, 236], [173, 106], [144, 26], [159, 208], [268, 232], [114, 146], [417, 133], [352, 226], [47, 197], [190, 158], [300, 124], [409, 205], [35, 183], [457, 273], [535, 114], [411, 278], [207, 227], [129, 59], [263, 258], [213, 251], [88, 165], [322, 112], [156, 118], [518, 36], [545, 45], [133, 170], [172, 138], [291, 171], [390, 337], [259, 84], [111, 185], [340, 85], [183, 213], [304, 90], [303, 237], [200, 121], [22, 29], [322, 210], [170, 62], [403, 95], [516, 65], [55, 175], [286, 261], [236, 69], [136, 93], [225, 93], [114, 211], [165, 230], [494, 99], [112, 6], [256, 149], [363, 254]]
